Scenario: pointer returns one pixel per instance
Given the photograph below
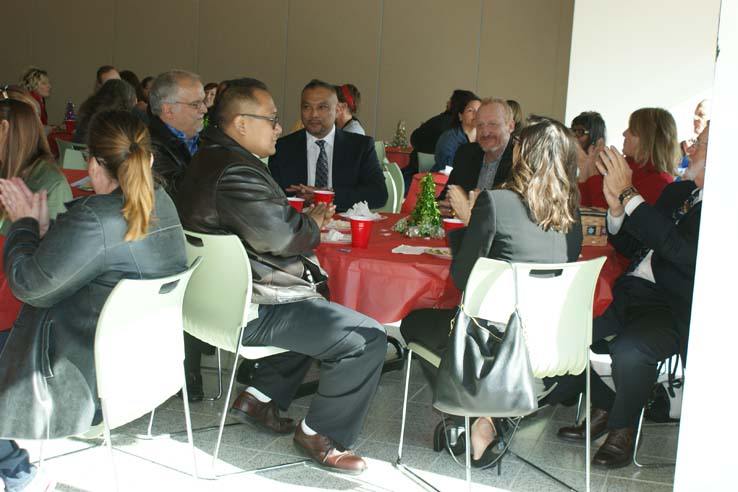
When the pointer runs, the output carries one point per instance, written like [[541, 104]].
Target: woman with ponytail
[[349, 101], [65, 270]]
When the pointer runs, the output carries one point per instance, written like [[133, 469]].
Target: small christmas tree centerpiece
[[400, 139], [425, 219]]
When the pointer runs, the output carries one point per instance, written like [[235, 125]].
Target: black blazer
[[357, 175], [171, 156], [468, 162], [674, 246]]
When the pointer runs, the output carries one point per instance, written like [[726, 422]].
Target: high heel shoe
[[448, 435], [495, 449]]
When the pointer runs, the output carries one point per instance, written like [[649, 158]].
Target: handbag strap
[[474, 320]]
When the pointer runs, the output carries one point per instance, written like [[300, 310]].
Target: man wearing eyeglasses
[[177, 101], [228, 190], [324, 157]]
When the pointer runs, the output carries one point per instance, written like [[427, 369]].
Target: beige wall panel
[[15, 38], [333, 40], [153, 36], [70, 40], [243, 38], [429, 48], [522, 52]]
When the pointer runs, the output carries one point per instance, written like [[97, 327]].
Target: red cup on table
[[360, 229], [296, 202], [450, 225], [323, 196], [70, 124]]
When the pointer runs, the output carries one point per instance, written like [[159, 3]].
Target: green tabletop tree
[[425, 219]]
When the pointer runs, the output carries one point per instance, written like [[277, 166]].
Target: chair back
[[141, 319], [379, 148], [70, 154], [391, 203], [399, 181], [426, 162], [219, 295], [555, 305]]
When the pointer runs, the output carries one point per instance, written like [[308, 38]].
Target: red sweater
[[42, 107], [646, 179]]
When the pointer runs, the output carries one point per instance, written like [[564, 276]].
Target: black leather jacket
[[171, 156], [63, 280], [228, 190]]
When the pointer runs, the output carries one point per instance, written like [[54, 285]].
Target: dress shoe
[[194, 386], [598, 427], [327, 455], [617, 451], [248, 409]]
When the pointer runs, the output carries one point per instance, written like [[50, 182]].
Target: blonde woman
[[36, 81]]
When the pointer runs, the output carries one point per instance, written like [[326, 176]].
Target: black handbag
[[485, 370]]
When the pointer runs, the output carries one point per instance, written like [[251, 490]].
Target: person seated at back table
[[103, 74], [228, 190], [65, 271], [322, 156], [652, 152], [591, 133], [115, 94], [349, 101], [462, 131], [517, 222], [486, 163]]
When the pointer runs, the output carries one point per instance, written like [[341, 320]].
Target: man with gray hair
[[177, 101]]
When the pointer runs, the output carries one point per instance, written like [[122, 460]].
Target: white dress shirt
[[313, 150]]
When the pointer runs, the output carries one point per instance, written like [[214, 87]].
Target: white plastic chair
[[70, 154], [555, 305], [399, 180], [426, 162], [381, 152], [217, 303], [137, 310], [391, 203]]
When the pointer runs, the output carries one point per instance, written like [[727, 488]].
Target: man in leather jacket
[[228, 190], [177, 102]]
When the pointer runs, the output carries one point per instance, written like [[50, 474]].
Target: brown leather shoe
[[248, 409], [617, 451], [325, 453], [598, 427]]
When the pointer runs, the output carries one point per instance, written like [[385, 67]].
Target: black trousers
[[15, 468], [646, 332], [350, 346]]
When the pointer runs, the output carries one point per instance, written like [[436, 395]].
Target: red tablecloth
[[398, 155], [412, 195], [387, 286], [74, 175], [52, 141]]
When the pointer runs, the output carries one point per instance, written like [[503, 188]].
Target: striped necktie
[[321, 169]]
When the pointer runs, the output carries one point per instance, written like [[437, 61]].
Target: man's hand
[[321, 214], [305, 191], [461, 202], [445, 207], [20, 202], [617, 177]]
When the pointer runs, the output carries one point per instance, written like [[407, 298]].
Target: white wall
[[631, 54], [706, 455]]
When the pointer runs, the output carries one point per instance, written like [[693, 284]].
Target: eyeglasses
[[194, 105], [580, 132], [273, 119], [516, 139], [87, 156]]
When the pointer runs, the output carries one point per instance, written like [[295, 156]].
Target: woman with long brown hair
[[651, 149], [64, 272], [533, 218]]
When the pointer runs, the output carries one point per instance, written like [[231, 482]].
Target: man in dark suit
[[650, 311], [486, 163], [177, 101], [322, 156]]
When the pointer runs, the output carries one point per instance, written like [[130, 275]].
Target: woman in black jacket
[[64, 272]]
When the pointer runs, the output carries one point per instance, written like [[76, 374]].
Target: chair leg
[[579, 409], [638, 439], [109, 443], [588, 437], [468, 452], [151, 419], [404, 406], [220, 379], [227, 402], [188, 423]]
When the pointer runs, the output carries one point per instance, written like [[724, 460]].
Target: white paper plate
[[444, 253], [346, 239]]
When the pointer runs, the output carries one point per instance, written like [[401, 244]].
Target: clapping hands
[[617, 177], [20, 202], [461, 202]]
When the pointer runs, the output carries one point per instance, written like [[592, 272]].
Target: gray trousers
[[350, 346]]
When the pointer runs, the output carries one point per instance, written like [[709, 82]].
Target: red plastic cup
[[70, 126], [360, 229], [451, 224], [297, 203], [323, 196]]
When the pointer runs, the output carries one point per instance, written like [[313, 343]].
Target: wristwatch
[[627, 193]]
